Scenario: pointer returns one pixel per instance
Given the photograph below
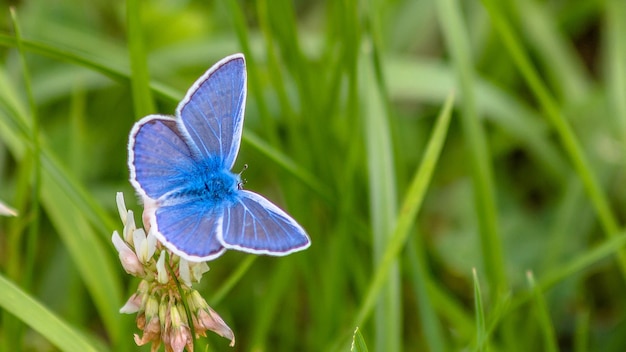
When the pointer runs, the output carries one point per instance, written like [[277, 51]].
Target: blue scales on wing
[[254, 224], [192, 229], [158, 155], [212, 111]]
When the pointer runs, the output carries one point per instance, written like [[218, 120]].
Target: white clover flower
[[158, 302]]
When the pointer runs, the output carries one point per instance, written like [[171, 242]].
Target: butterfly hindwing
[[212, 111], [255, 225], [157, 153], [190, 229]]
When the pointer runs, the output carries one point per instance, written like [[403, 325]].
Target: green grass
[[459, 166]]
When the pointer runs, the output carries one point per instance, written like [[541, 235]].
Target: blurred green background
[[344, 98]]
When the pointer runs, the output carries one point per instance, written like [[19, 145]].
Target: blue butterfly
[[180, 166]]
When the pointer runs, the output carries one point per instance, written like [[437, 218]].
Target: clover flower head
[[164, 291]]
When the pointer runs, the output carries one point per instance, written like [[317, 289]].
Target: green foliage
[[358, 342], [350, 126]]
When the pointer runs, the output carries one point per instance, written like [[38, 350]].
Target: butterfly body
[[207, 184], [181, 167]]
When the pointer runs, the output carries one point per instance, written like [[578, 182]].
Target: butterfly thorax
[[207, 183]]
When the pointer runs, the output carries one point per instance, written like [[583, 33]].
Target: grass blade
[[581, 337], [383, 204], [35, 315], [566, 73], [616, 57], [433, 333], [582, 262], [410, 207], [479, 311], [140, 78], [34, 153], [358, 342], [545, 325], [482, 175]]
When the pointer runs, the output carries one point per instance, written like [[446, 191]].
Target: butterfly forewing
[[212, 111], [157, 154], [255, 225]]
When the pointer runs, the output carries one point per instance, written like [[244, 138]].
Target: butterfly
[[180, 166]]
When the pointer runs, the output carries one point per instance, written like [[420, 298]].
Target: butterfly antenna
[[243, 180]]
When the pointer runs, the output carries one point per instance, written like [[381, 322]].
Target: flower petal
[[132, 305], [209, 320], [197, 269], [6, 210], [152, 242], [121, 207], [129, 259], [139, 236], [129, 227], [183, 270], [119, 244], [162, 275]]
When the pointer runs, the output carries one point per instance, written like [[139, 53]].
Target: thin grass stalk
[[143, 103], [479, 312], [408, 211], [577, 264], [615, 12], [34, 153], [232, 280], [383, 205], [581, 334], [275, 74], [254, 78], [12, 327], [358, 342], [273, 300], [543, 316], [420, 274], [563, 66], [451, 310], [457, 40], [22, 268]]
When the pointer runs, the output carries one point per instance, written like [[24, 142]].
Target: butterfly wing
[[159, 162], [157, 153], [190, 230], [255, 225], [212, 112]]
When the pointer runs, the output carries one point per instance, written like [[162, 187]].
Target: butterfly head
[[242, 181]]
